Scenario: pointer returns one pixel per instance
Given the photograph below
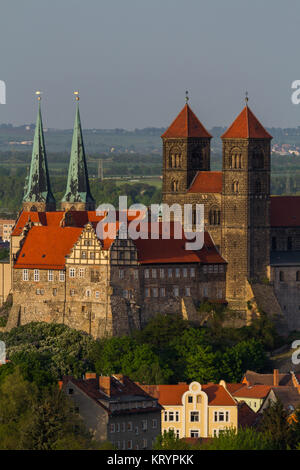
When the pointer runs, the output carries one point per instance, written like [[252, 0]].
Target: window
[[166, 416], [81, 272], [154, 273], [132, 255], [87, 242], [154, 423], [162, 273], [171, 415], [192, 272], [125, 294], [121, 274], [274, 243], [36, 275], [144, 425], [194, 433], [190, 399], [170, 272], [281, 276], [92, 255], [97, 294], [129, 426], [70, 391], [176, 291], [62, 276], [112, 428], [177, 272], [205, 269], [214, 216], [221, 416], [188, 291], [145, 443], [162, 292], [72, 292], [54, 291], [72, 272], [155, 291], [88, 293], [194, 416], [129, 445], [83, 254], [25, 275], [121, 255], [38, 291], [147, 292], [235, 187], [146, 273], [289, 243], [50, 275]]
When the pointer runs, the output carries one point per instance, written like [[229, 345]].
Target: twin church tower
[[38, 195]]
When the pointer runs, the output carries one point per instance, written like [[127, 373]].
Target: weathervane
[[246, 97], [186, 96], [76, 93], [38, 93]]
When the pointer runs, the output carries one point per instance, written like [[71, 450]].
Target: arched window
[[175, 159], [174, 186], [236, 158], [235, 187], [214, 216]]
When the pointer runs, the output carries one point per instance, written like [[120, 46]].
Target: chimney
[[275, 377], [90, 375], [104, 384]]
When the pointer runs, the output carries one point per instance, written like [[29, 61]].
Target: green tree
[[168, 441], [243, 439], [274, 423]]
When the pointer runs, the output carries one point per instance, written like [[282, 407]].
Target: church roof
[[78, 187], [207, 182], [246, 126], [186, 124], [37, 187], [48, 243]]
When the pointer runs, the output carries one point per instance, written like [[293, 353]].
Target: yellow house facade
[[195, 410]]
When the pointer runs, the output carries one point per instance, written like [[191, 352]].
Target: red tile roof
[[172, 394], [285, 211], [253, 391], [246, 126], [173, 251], [207, 182], [46, 247], [186, 124]]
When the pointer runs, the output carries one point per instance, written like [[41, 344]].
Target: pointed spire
[[186, 124], [78, 195], [38, 195], [246, 126]]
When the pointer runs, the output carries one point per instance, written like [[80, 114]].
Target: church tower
[[37, 192], [186, 150], [78, 195], [245, 205]]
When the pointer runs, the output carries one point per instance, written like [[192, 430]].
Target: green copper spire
[[78, 195], [38, 195]]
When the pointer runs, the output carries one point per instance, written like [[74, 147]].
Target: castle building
[[61, 270]]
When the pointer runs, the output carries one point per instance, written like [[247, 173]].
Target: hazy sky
[[132, 60]]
